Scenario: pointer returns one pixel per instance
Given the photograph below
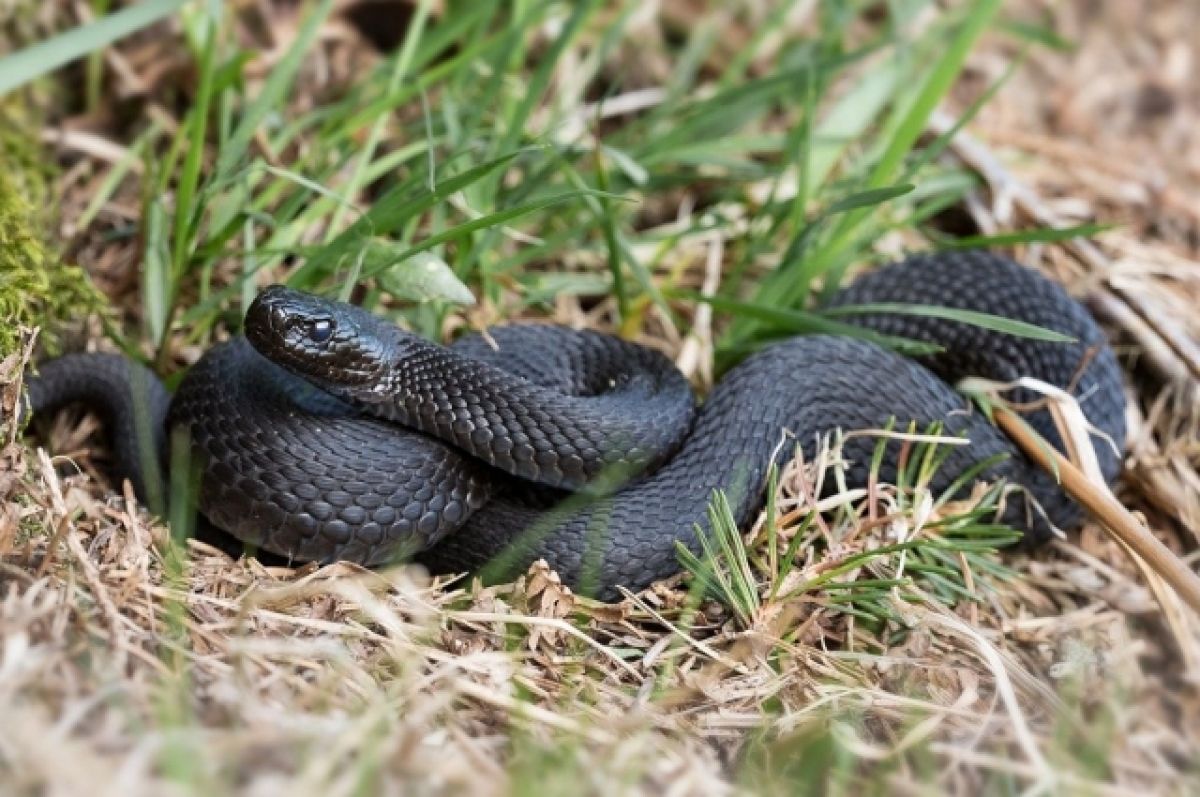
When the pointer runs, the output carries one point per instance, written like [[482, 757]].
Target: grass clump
[[859, 553]]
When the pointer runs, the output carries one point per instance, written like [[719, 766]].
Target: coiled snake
[[328, 433]]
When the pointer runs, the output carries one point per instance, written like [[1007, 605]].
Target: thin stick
[[1119, 522]]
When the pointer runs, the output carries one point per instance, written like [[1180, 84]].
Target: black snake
[[357, 440]]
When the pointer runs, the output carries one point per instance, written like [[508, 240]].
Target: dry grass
[[128, 667], [220, 674]]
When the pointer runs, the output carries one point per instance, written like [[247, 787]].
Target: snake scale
[[328, 433]]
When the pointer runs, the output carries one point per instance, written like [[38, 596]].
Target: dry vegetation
[[130, 665]]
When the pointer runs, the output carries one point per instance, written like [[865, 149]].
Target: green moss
[[36, 288]]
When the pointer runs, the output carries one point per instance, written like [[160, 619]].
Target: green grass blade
[[802, 322], [413, 35], [935, 88], [535, 87], [490, 221], [608, 224], [186, 212], [389, 214], [868, 198], [1008, 239], [156, 271], [273, 92], [21, 67], [995, 323], [911, 126]]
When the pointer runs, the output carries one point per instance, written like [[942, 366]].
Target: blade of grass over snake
[[799, 321], [982, 320], [1045, 235]]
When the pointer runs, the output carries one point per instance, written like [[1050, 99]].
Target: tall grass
[[462, 179]]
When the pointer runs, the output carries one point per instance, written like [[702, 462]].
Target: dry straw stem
[[1101, 503]]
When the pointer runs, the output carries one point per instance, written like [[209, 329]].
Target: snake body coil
[[327, 433]]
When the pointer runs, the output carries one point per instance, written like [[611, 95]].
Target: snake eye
[[320, 331]]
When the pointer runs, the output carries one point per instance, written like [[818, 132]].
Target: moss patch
[[36, 288]]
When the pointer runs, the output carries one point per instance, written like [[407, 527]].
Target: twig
[[1123, 525]]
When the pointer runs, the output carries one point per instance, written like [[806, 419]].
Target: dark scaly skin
[[267, 439], [630, 411], [302, 475], [985, 283], [801, 385], [815, 384], [132, 404]]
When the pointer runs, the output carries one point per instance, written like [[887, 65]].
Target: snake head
[[330, 343]]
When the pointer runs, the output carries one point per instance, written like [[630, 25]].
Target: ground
[[162, 667]]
